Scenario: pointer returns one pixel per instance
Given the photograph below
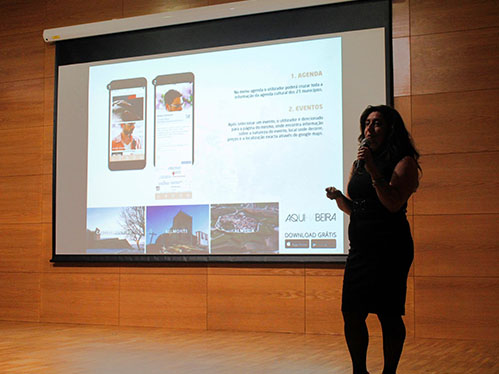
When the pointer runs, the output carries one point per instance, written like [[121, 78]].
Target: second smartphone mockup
[[174, 120]]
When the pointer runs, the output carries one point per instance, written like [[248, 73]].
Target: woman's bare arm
[[394, 193], [344, 203]]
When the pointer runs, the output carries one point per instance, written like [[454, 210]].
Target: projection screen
[[214, 140]]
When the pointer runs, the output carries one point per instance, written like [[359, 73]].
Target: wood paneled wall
[[446, 87]]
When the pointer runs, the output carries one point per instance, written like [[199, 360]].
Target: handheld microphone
[[364, 143]]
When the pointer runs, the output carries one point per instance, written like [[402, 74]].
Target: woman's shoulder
[[407, 164], [408, 161], [407, 168]]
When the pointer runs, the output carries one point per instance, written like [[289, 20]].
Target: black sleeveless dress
[[381, 250]]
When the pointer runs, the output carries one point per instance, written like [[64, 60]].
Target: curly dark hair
[[398, 143], [171, 95]]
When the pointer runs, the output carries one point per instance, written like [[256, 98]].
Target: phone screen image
[[174, 135], [127, 124]]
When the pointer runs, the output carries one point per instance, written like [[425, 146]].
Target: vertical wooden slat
[[47, 155], [47, 198], [400, 14]]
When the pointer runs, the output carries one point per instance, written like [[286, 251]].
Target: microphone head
[[365, 143], [360, 163]]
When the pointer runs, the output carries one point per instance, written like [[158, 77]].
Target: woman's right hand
[[332, 193], [343, 202]]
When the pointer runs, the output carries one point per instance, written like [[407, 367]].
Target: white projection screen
[[213, 141]]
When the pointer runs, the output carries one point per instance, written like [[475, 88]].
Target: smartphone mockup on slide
[[127, 124], [174, 120], [174, 135]]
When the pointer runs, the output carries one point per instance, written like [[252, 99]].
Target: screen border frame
[[366, 14]]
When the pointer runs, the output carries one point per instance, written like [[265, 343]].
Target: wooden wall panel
[[404, 107], [453, 62], [166, 300], [410, 219], [456, 122], [323, 305], [133, 8], [438, 16], [410, 308], [458, 184], [62, 13], [49, 60], [46, 253], [80, 298], [400, 18], [47, 198], [20, 199], [256, 303], [256, 269], [401, 67], [324, 270], [20, 248], [48, 97], [164, 269], [20, 151], [457, 308], [457, 245], [48, 129], [22, 16], [47, 159], [19, 296], [21, 104], [21, 57]]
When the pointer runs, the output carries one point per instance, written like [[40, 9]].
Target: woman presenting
[[382, 179]]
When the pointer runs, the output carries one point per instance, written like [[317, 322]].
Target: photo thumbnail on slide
[[127, 127], [174, 135], [245, 228], [116, 230], [181, 229]]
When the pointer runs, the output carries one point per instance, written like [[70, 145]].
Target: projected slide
[[223, 151]]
